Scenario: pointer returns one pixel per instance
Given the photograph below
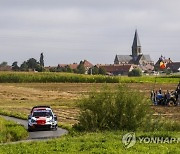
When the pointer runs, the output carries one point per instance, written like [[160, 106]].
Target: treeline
[[79, 70], [34, 65], [30, 64]]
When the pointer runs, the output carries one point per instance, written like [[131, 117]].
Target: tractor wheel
[[171, 103]]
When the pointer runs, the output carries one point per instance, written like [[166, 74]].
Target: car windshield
[[42, 113]]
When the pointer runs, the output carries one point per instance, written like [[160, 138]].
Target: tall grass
[[28, 77], [13, 114], [45, 77], [10, 131]]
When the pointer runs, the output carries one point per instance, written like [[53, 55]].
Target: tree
[[32, 63], [68, 69], [41, 61], [24, 66], [60, 69], [4, 63], [95, 70], [102, 71], [81, 68], [135, 72], [40, 68], [15, 66], [53, 69]]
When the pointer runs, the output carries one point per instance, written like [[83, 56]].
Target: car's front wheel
[[54, 128], [30, 129]]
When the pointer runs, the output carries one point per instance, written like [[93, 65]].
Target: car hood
[[42, 118]]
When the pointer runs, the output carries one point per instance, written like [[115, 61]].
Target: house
[[164, 60], [87, 66], [6, 68], [147, 68], [74, 66], [137, 57], [169, 64], [174, 66], [118, 69]]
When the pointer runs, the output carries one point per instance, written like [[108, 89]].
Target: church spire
[[136, 46]]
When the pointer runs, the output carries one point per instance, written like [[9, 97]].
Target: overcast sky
[[68, 31]]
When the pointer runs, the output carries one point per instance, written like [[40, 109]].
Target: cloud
[[69, 30]]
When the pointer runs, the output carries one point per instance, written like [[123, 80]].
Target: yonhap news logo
[[130, 140]]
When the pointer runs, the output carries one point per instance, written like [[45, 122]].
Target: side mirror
[[55, 117], [29, 117]]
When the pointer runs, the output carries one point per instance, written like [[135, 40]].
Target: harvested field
[[63, 98]]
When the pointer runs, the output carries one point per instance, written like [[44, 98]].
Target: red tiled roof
[[147, 67], [72, 66], [5, 68], [87, 64], [116, 68]]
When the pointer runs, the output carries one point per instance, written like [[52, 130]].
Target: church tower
[[136, 46]]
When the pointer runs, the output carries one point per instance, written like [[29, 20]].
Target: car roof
[[35, 108], [41, 111]]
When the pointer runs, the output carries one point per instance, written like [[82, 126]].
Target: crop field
[[17, 99], [49, 77]]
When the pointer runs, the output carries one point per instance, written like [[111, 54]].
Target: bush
[[118, 109], [135, 72]]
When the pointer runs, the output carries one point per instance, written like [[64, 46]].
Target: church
[[137, 57]]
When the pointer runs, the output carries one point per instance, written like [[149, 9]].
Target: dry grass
[[62, 97]]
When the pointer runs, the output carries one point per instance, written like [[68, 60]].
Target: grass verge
[[10, 131], [97, 142], [13, 114]]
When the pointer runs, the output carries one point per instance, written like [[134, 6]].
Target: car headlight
[[52, 120], [32, 120]]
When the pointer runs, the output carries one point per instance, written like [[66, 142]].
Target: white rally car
[[42, 117]]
